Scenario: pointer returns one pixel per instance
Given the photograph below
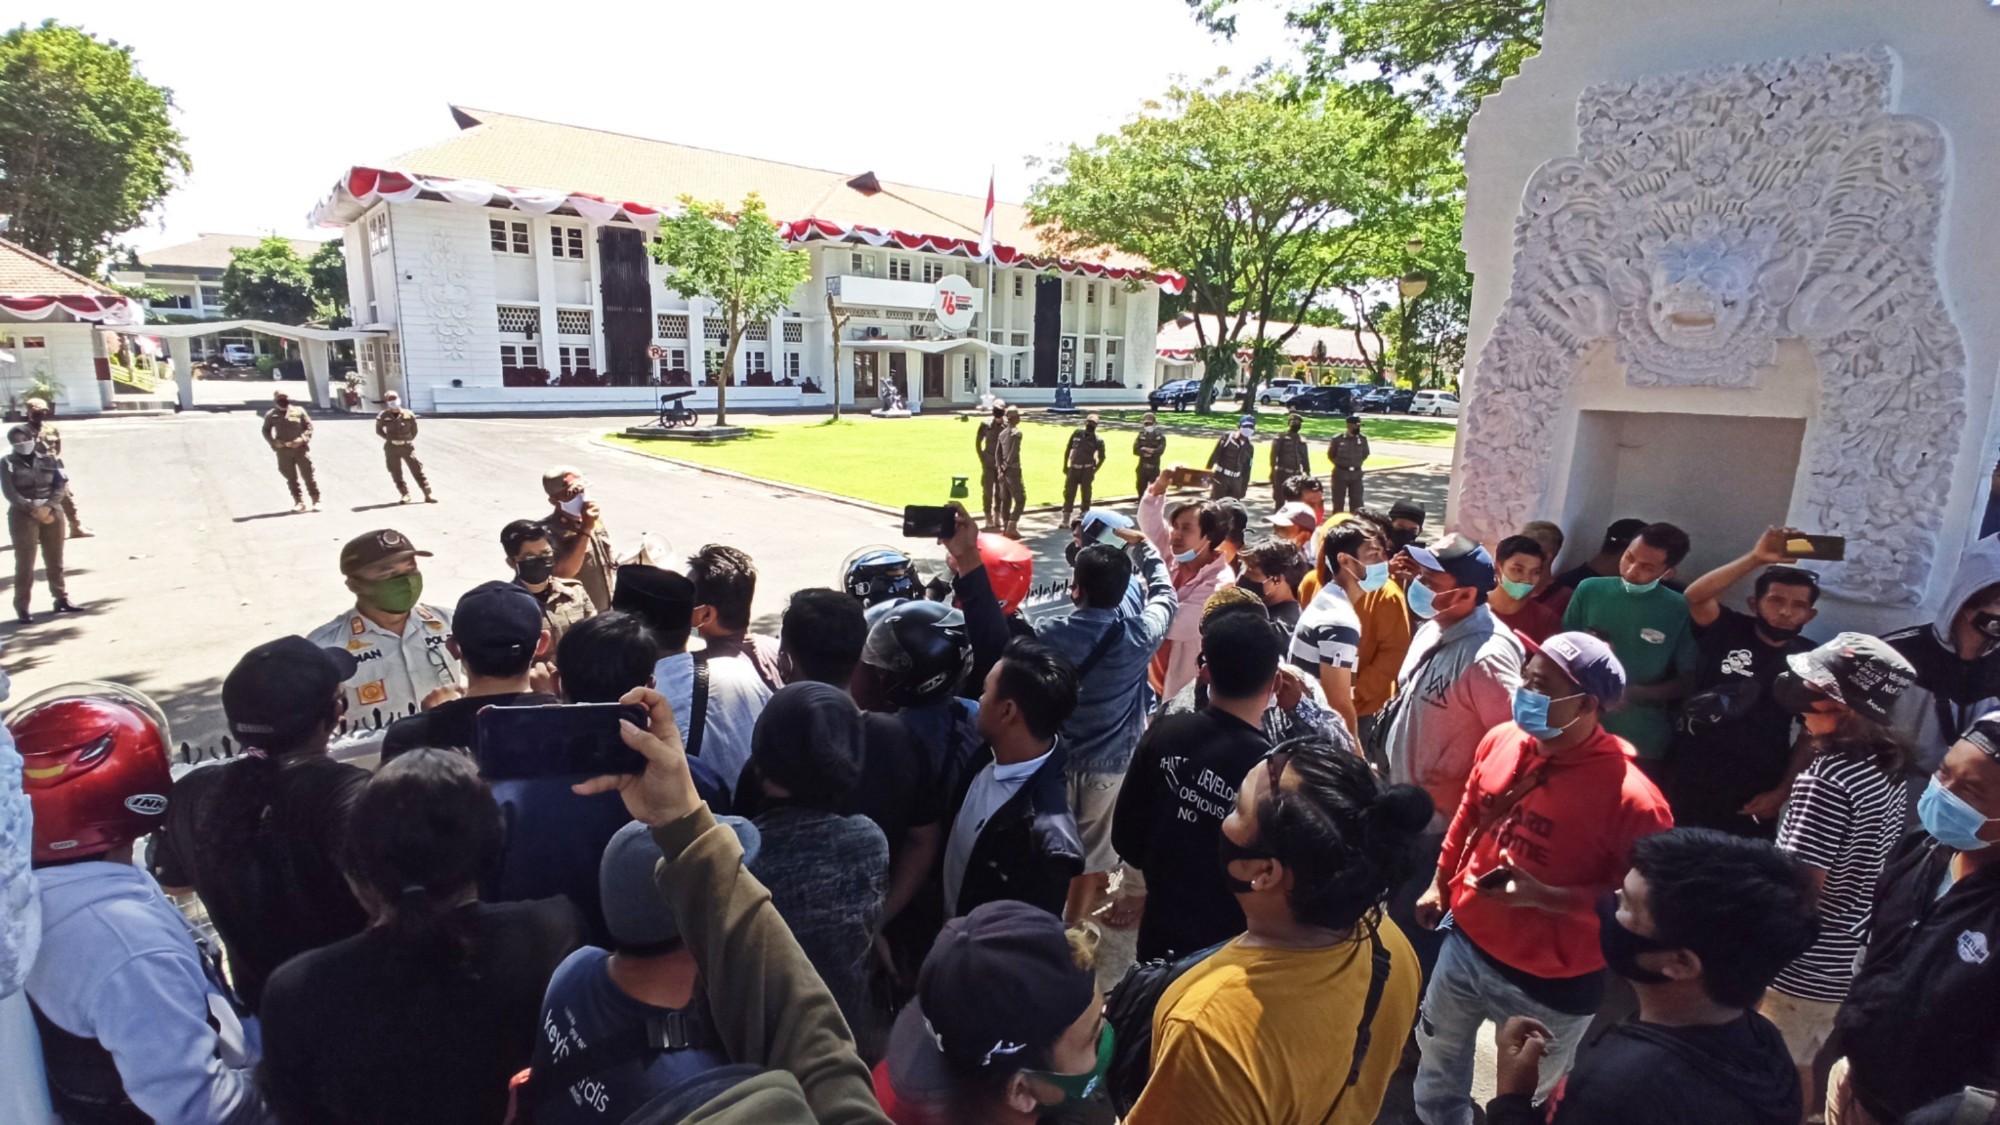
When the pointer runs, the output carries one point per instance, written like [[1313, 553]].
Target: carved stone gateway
[[1705, 218]]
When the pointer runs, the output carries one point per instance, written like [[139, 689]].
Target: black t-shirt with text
[[278, 892], [1719, 765]]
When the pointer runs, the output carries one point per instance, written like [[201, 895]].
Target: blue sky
[[278, 99]]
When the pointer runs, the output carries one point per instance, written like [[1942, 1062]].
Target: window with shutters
[[1111, 296], [573, 322], [573, 359], [792, 364], [520, 355], [1089, 293], [507, 236], [566, 241], [712, 361], [378, 232], [756, 362], [899, 269], [518, 318], [932, 271], [1019, 340], [673, 326], [1019, 284]]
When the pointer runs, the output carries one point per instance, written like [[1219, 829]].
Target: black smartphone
[[576, 739], [1496, 880], [930, 521], [1827, 548]]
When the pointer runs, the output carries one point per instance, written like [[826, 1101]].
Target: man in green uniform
[[1348, 452], [1289, 458], [1007, 462], [50, 439], [289, 430], [1081, 460], [397, 428], [1231, 460], [1149, 447], [985, 443]]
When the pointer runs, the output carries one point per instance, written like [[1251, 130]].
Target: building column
[[313, 353], [181, 355]]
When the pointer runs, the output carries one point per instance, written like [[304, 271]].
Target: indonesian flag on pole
[[986, 226]]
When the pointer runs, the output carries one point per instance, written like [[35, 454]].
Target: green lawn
[[1378, 427], [912, 461]]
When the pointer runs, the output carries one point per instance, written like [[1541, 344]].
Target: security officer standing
[[1289, 458], [1081, 460], [1348, 452], [397, 428], [33, 482], [985, 443], [397, 640], [1007, 462], [50, 439], [289, 430], [1149, 447], [1231, 459]]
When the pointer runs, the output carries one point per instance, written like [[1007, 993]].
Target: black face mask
[[536, 569], [1402, 537], [1988, 624], [1773, 634], [1251, 586], [1790, 693], [1227, 852], [1622, 947], [1090, 428]]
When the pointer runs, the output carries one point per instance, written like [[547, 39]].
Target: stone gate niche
[[1720, 297]]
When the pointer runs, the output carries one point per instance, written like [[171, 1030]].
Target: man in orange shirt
[[1545, 829]]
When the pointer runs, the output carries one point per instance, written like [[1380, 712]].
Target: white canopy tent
[[312, 348]]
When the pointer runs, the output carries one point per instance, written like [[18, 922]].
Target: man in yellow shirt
[[1304, 1016]]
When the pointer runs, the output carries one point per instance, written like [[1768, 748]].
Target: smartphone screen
[[1831, 548], [1101, 526], [576, 739], [1496, 879], [929, 521]]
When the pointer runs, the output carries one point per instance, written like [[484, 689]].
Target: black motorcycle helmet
[[880, 574], [917, 652]]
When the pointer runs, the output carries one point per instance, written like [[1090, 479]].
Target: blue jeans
[[1464, 992]]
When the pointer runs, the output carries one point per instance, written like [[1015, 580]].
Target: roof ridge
[[58, 267], [478, 115]]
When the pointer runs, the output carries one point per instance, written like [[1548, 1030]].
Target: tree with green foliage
[[736, 260], [1267, 199], [328, 270], [87, 145], [268, 281], [1441, 56]]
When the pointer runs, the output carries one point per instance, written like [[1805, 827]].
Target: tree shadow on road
[[23, 647], [267, 516]]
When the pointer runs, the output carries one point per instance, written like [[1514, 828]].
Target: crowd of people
[[1357, 790]]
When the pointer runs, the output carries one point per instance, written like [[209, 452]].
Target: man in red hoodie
[[1546, 827]]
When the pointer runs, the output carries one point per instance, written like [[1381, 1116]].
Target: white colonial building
[[507, 268], [50, 338]]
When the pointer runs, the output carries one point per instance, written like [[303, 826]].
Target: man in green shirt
[[1649, 630]]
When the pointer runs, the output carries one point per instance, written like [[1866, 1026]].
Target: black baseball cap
[[1407, 510], [372, 547], [279, 690], [497, 620], [1620, 534], [997, 991], [663, 599]]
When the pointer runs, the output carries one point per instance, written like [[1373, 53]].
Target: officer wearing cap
[[1149, 446], [1348, 452], [583, 546], [397, 428], [397, 641], [1231, 458], [1082, 457], [50, 439], [1289, 458], [1007, 462], [986, 443], [288, 430]]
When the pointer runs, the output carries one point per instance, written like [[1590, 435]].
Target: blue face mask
[[1422, 602], [1636, 588], [1531, 713], [1376, 578], [1955, 824], [1188, 556]]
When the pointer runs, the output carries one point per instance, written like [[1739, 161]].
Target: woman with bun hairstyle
[[1303, 1016], [427, 1013]]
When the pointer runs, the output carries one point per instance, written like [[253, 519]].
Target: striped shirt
[[1329, 632], [1844, 815]]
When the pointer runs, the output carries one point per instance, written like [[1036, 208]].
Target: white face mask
[[574, 505], [393, 403], [24, 447]]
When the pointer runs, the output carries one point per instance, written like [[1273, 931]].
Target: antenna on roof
[[866, 184]]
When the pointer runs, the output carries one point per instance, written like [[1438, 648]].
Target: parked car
[[1178, 394], [238, 355], [1279, 391], [1386, 400], [1323, 400], [1441, 404]]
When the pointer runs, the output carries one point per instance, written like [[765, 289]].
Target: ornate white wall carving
[[1705, 217], [446, 296]]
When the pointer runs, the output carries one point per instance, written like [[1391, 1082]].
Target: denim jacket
[[1111, 700]]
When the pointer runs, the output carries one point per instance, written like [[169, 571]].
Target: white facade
[[1734, 269], [59, 352], [464, 290]]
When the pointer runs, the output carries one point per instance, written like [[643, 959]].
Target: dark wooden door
[[866, 368], [899, 373], [1048, 330], [933, 376], [627, 300]]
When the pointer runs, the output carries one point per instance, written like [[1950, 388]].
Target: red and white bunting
[[366, 185], [97, 310]]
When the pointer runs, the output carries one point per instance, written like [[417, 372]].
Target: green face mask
[[1078, 1087], [1517, 590], [394, 595]]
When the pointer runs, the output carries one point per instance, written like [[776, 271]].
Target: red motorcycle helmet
[[1010, 567], [94, 766]]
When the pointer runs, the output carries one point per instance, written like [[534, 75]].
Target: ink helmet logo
[[147, 804]]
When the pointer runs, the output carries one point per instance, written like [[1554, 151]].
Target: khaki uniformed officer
[[1007, 462], [50, 439], [1289, 458], [1148, 447], [397, 640], [1081, 459], [33, 484], [531, 551], [986, 443], [1231, 460], [397, 428], [289, 430], [1348, 452]]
